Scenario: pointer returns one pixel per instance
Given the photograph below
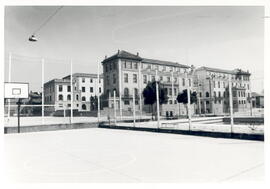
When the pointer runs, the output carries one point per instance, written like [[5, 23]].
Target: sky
[[226, 37]]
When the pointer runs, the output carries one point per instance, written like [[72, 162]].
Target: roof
[[256, 94], [162, 62], [235, 71], [58, 81], [123, 54], [83, 75], [128, 55]]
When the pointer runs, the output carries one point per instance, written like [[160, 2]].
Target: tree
[[149, 94], [94, 102], [183, 98]]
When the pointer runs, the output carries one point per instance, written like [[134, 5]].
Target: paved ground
[[105, 155]]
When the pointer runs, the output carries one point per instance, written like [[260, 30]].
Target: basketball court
[[107, 155]]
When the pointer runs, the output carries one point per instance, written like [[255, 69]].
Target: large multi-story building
[[127, 73], [213, 90], [58, 92]]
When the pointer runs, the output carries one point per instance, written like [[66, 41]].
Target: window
[[83, 80], [144, 78], [207, 94], [108, 80], [134, 78], [175, 79], [161, 78], [99, 89], [91, 80], [68, 97], [218, 84], [83, 89], [114, 65], [136, 65], [106, 68], [215, 94], [248, 86], [110, 66], [60, 97], [170, 91], [68, 88], [174, 91], [69, 105], [183, 82], [91, 89], [219, 94], [83, 98], [126, 102], [200, 94], [60, 88], [126, 78], [170, 101], [126, 92], [77, 97], [114, 78], [125, 64], [168, 79], [83, 106], [136, 92]]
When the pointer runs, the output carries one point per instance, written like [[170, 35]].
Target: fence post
[[157, 96], [71, 92], [134, 109], [231, 102], [42, 88], [114, 107]]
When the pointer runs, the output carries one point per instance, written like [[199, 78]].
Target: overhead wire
[[48, 19]]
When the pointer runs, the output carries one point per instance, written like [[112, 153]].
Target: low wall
[[244, 136], [249, 120], [52, 127]]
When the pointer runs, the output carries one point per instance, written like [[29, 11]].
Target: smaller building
[[257, 100], [57, 92]]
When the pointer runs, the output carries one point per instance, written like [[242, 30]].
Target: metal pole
[[120, 87], [18, 114], [9, 80], [42, 88], [140, 89], [157, 96], [114, 106], [189, 112], [98, 95], [172, 89], [199, 105], [71, 92], [231, 102], [179, 82], [134, 109]]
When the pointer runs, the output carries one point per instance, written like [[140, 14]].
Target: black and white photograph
[[133, 93]]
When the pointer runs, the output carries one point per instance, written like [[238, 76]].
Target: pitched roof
[[123, 54], [83, 75], [128, 55], [235, 71], [162, 62], [256, 94]]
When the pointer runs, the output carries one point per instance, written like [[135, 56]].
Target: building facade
[[127, 73], [85, 86], [213, 90]]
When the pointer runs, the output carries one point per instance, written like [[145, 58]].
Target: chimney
[[137, 54], [118, 51]]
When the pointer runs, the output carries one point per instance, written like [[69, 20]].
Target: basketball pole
[[42, 88]]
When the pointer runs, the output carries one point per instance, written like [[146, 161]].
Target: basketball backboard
[[16, 90]]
